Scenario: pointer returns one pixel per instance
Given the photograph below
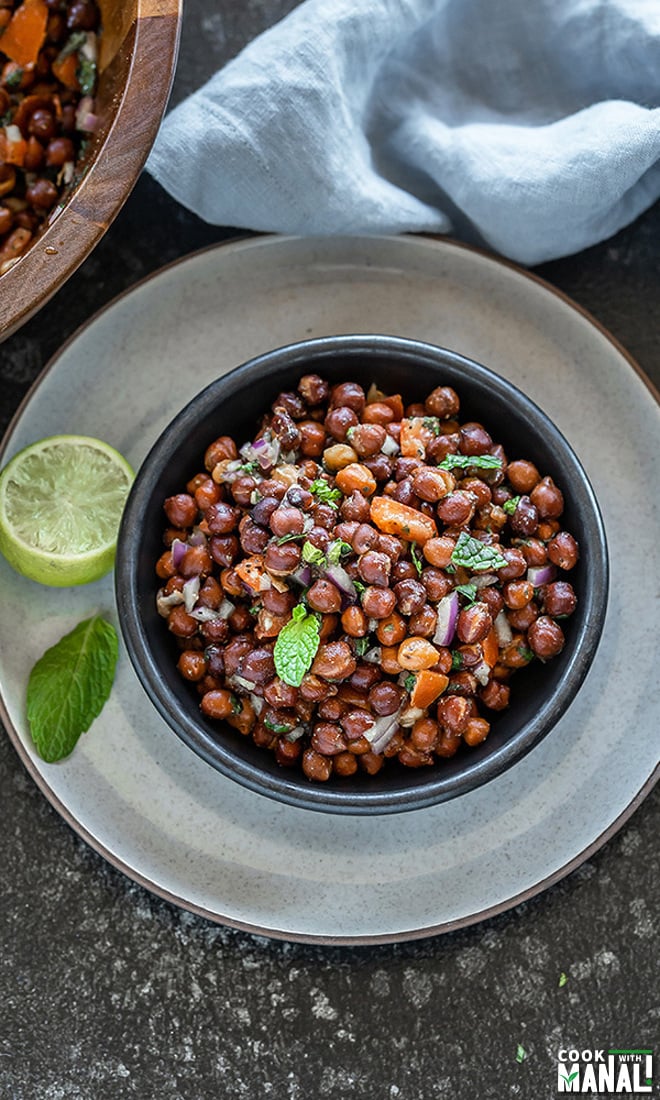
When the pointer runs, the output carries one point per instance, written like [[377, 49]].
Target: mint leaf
[[336, 549], [276, 727], [562, 979], [296, 646], [409, 682], [323, 492], [456, 661], [361, 645], [69, 686], [416, 560], [289, 538], [359, 587], [312, 555], [73, 43], [432, 424], [510, 505], [521, 1053], [86, 73], [482, 462], [467, 590], [475, 555]]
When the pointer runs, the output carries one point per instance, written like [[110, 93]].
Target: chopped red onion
[[484, 580], [302, 576], [382, 731], [373, 656], [340, 578], [204, 614], [257, 703], [541, 574], [190, 593], [482, 672], [164, 604], [502, 629], [86, 119], [247, 685], [448, 609], [296, 733], [198, 538], [390, 447], [179, 549], [410, 716]]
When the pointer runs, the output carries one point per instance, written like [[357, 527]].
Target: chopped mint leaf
[[325, 493], [476, 555], [338, 548], [311, 554], [86, 73], [276, 727], [521, 1053], [562, 980], [409, 682], [456, 661], [249, 467], [13, 79], [69, 686], [526, 653], [289, 538], [361, 645], [416, 560], [510, 505], [296, 646], [73, 43], [432, 424], [236, 704], [467, 590], [359, 587], [482, 462]]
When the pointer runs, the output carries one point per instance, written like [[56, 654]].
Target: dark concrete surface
[[108, 992]]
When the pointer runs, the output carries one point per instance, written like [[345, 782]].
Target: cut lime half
[[61, 501]]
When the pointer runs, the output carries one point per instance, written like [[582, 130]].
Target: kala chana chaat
[[48, 52], [361, 581]]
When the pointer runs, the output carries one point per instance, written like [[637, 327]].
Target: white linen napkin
[[531, 126]]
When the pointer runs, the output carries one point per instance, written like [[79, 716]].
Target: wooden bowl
[[137, 58]]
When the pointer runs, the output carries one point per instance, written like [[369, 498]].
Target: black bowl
[[233, 405]]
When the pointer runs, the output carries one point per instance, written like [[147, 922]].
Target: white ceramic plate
[[170, 822]]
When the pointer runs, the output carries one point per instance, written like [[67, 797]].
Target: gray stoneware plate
[[149, 805]]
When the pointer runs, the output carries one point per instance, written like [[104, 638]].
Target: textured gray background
[[108, 992]]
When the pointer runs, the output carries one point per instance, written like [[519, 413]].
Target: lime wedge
[[61, 501]]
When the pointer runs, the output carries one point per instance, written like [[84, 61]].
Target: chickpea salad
[[360, 583], [48, 75]]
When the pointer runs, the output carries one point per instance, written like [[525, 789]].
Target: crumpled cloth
[[528, 126]]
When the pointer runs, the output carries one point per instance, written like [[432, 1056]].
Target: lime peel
[[61, 501]]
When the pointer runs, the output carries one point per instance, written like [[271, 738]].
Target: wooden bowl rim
[[60, 249]]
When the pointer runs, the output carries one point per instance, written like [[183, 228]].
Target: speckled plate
[[155, 810]]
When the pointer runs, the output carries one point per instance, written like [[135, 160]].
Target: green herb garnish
[[86, 73], [296, 646], [467, 590], [69, 686], [324, 492], [510, 505], [13, 79], [359, 587], [562, 980], [311, 554], [525, 652], [409, 682], [276, 727], [338, 548], [249, 467], [521, 1053], [482, 462], [236, 704], [361, 645], [432, 424], [416, 560], [475, 555], [456, 661], [289, 538], [73, 43]]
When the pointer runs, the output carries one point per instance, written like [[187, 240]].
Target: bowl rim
[[97, 200], [282, 787]]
